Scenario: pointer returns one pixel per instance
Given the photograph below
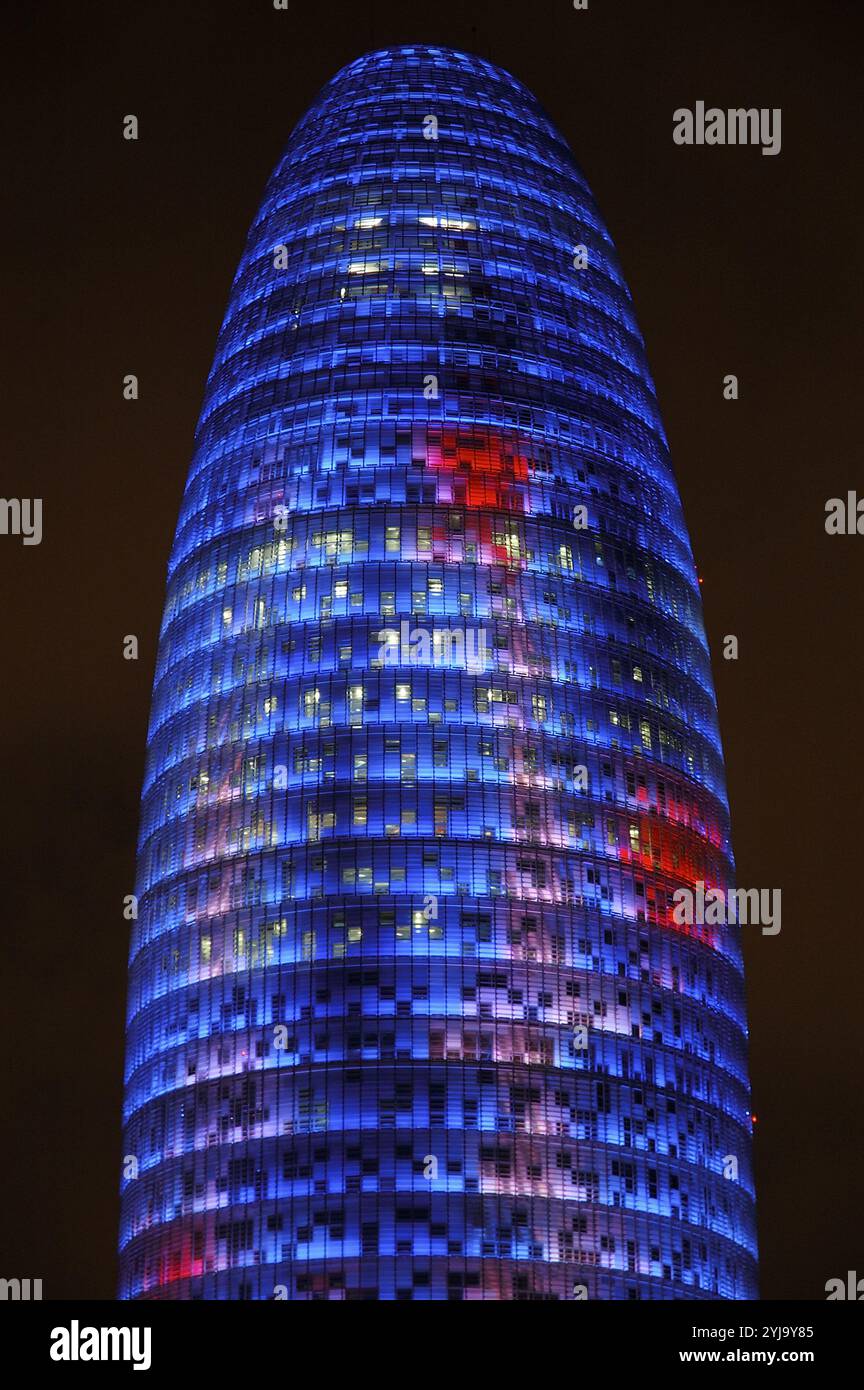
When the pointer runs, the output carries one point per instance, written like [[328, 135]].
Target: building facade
[[433, 742]]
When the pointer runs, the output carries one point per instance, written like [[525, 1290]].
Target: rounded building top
[[424, 71], [431, 56]]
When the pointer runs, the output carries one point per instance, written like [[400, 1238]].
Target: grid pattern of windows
[[433, 741]]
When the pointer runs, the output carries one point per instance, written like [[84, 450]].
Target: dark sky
[[121, 261]]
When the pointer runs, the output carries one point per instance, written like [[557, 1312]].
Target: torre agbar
[[433, 743]]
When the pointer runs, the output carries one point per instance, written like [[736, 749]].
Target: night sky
[[121, 261]]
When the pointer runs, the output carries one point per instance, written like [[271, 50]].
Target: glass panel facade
[[433, 742]]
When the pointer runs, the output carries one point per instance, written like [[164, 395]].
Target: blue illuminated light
[[408, 1015]]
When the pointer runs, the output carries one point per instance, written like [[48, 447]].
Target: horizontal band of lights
[[433, 742]]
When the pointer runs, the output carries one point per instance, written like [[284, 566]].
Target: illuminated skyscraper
[[433, 741]]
